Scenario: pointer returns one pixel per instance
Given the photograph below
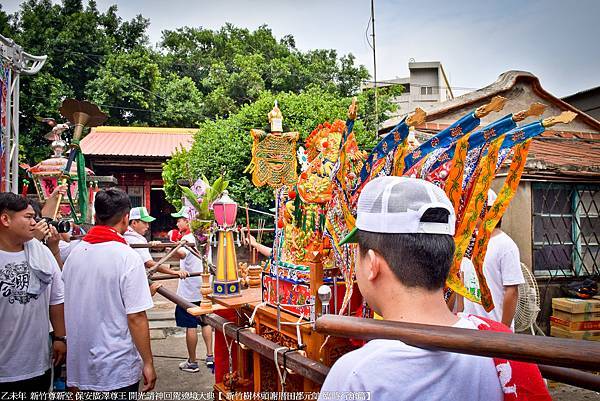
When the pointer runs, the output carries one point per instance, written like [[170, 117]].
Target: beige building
[[426, 86]]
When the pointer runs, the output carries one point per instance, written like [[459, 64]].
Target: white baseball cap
[[395, 205], [491, 198], [183, 212], [140, 213]]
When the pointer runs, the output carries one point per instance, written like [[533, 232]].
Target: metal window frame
[[577, 268]]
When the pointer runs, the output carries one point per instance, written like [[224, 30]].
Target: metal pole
[[15, 134], [8, 134], [18, 62]]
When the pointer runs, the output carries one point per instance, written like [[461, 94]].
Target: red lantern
[[225, 211]]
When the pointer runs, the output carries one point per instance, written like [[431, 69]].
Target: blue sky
[[475, 40]]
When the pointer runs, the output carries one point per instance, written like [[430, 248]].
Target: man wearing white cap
[[502, 271], [404, 230], [139, 223], [189, 289]]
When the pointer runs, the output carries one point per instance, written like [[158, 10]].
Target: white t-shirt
[[103, 284], [501, 266], [65, 248], [24, 319], [133, 237], [391, 370], [189, 288]]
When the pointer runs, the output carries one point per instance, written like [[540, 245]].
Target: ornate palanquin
[[316, 210]]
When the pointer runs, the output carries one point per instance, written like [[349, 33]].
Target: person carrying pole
[[106, 299], [139, 223]]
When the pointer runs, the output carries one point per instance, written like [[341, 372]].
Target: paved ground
[[171, 350], [168, 353], [563, 392]]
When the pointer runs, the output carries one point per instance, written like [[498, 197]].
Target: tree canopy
[[223, 81], [193, 75]]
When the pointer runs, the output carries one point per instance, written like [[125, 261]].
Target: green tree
[[6, 28], [197, 74], [126, 86], [231, 66], [77, 39], [178, 103]]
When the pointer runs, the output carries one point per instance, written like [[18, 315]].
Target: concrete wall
[[588, 102], [444, 92], [517, 221]]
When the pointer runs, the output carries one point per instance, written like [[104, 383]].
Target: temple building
[[134, 156]]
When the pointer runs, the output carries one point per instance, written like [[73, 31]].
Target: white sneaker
[[188, 366]]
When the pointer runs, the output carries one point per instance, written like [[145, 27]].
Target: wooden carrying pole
[[317, 372], [573, 377], [519, 347], [165, 258], [158, 277], [303, 366]]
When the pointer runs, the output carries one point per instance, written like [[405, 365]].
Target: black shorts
[[184, 319]]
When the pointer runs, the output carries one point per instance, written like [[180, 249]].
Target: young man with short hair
[[189, 289], [139, 224], [31, 297], [404, 229], [106, 298]]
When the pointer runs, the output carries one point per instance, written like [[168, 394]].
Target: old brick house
[[555, 215]]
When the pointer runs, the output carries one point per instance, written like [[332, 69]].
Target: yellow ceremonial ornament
[[495, 213], [454, 182], [274, 160], [476, 203], [276, 119]]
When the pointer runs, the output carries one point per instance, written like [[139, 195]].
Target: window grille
[[566, 229], [427, 90], [136, 195]]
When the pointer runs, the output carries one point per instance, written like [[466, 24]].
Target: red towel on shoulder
[[99, 234]]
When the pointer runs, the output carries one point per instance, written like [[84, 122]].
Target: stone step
[[157, 334], [162, 324], [160, 315]]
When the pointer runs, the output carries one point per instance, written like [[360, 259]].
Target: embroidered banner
[[496, 212], [443, 139], [475, 204], [453, 187]]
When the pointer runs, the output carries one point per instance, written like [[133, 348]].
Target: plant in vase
[[201, 225], [202, 222]]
